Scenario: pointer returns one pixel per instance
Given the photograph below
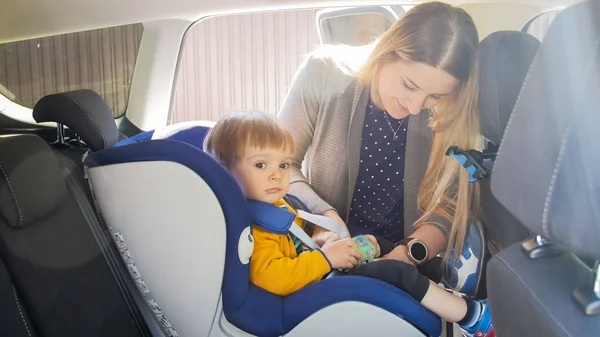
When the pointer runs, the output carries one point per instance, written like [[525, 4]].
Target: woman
[[372, 124]]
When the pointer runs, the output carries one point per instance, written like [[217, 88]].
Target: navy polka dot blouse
[[378, 202]]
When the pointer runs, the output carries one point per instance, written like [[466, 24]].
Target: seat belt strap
[[324, 222], [302, 236]]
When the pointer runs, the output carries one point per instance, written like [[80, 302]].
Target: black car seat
[[505, 57], [505, 60], [86, 114], [14, 321], [90, 124], [547, 174], [66, 277]]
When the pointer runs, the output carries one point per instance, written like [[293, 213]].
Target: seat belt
[[302, 236], [325, 222], [318, 220], [144, 321]]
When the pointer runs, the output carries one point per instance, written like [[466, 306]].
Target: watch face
[[418, 251]]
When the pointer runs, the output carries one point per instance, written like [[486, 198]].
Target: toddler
[[258, 151]]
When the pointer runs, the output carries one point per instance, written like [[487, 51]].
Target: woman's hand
[[399, 253], [322, 236]]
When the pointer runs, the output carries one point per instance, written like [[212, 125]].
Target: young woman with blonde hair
[[371, 126]]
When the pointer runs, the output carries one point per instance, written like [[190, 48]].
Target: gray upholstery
[[534, 297], [547, 172], [505, 60]]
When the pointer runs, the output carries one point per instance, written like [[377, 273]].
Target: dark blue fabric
[[333, 290], [294, 200], [271, 218], [378, 202], [246, 306], [140, 137]]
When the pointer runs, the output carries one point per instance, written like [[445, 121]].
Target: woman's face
[[407, 87]]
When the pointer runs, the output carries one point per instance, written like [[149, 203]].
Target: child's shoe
[[464, 272], [482, 327]]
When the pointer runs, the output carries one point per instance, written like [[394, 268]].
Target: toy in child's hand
[[366, 248]]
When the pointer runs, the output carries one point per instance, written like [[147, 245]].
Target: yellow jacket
[[276, 267]]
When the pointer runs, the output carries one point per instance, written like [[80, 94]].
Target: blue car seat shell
[[246, 306]]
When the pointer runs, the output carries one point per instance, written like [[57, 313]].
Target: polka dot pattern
[[378, 201]]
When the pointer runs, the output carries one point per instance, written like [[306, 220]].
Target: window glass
[[539, 26], [356, 29], [248, 61], [102, 60]]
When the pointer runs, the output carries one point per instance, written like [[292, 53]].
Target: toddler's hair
[[233, 133]]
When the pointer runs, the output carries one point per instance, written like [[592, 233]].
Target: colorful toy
[[366, 249]]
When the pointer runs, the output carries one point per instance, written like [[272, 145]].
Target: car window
[[538, 26], [247, 61], [355, 25], [102, 60]]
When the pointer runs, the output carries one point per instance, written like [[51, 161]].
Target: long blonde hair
[[444, 37]]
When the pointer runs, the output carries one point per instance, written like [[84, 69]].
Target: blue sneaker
[[464, 273], [483, 327]]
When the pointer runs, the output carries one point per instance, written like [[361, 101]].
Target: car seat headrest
[[83, 111], [546, 171], [31, 181], [505, 59]]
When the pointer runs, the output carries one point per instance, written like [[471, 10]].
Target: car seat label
[[139, 281]]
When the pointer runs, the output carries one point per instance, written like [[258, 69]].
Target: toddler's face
[[263, 174]]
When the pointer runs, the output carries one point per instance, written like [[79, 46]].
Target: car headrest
[[83, 111], [31, 181], [505, 60], [547, 169], [192, 132]]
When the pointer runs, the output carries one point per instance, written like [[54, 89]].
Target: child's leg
[[444, 304], [472, 316]]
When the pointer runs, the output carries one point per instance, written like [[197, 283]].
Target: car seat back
[[505, 60], [546, 175], [14, 320], [57, 268]]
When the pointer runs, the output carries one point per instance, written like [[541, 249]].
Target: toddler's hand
[[341, 253]]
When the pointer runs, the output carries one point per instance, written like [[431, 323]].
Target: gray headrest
[[505, 60], [31, 181], [83, 111], [547, 172]]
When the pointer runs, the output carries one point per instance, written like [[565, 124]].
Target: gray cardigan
[[325, 111]]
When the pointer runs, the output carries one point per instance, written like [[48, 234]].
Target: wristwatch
[[417, 251]]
